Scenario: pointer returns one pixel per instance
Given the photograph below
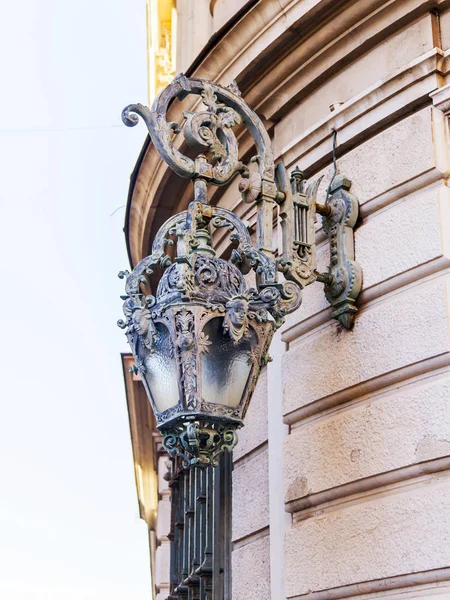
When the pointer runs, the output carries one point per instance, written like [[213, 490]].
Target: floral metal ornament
[[199, 343]]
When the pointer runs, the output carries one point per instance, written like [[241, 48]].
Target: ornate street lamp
[[200, 342]]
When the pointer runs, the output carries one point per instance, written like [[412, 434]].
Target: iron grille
[[200, 536]]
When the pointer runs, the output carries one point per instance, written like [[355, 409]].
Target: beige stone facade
[[341, 484]]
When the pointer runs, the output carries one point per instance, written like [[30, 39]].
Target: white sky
[[69, 525]]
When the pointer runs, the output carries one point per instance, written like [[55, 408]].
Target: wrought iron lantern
[[200, 342]]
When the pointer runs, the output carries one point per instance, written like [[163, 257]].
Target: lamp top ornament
[[199, 343]]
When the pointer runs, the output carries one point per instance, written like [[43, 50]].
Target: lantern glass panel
[[227, 365], [161, 373]]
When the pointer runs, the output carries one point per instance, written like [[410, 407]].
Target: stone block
[[399, 428], [163, 518], [400, 237], [381, 62], [164, 465], [391, 158], [251, 571], [403, 328], [162, 565], [394, 534], [251, 496], [223, 10], [445, 29], [254, 432]]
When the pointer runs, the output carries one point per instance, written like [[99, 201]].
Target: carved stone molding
[[441, 99]]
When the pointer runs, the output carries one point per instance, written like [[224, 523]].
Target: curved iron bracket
[[343, 279], [210, 131], [344, 273], [205, 130]]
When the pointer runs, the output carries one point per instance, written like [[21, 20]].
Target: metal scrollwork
[[200, 444], [211, 130], [345, 274], [279, 300], [158, 257], [207, 130], [298, 263], [203, 317], [298, 216]]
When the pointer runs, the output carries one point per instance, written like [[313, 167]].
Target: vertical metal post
[[207, 566], [173, 535], [184, 545], [202, 510], [201, 532], [217, 535], [226, 507]]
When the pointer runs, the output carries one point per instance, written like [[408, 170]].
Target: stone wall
[[250, 529], [365, 464]]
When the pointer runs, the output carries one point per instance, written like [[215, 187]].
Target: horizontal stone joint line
[[355, 108], [379, 585], [389, 197], [370, 386], [370, 483], [251, 537], [400, 192], [413, 276], [253, 453]]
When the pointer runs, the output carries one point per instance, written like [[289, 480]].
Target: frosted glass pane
[[161, 371], [226, 366]]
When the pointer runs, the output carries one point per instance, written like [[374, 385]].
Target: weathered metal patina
[[201, 341]]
